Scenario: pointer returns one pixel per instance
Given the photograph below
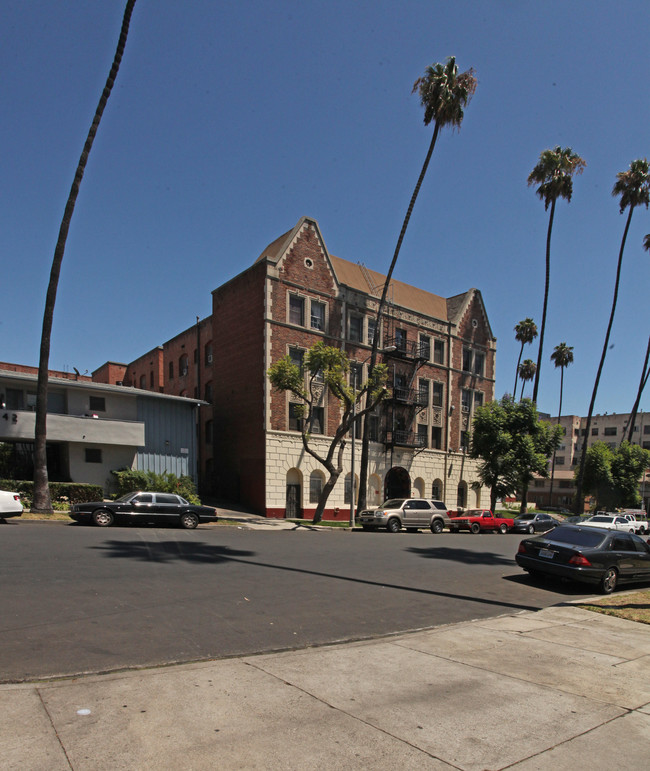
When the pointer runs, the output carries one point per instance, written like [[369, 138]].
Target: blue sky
[[231, 120]]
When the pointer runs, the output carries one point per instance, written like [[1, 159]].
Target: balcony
[[400, 348], [399, 438], [409, 396]]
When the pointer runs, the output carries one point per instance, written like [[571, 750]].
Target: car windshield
[[576, 537], [124, 498], [601, 519], [393, 503]]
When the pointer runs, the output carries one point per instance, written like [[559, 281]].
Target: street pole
[[354, 418]]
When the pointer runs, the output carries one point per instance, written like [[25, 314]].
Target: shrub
[[63, 494], [129, 480]]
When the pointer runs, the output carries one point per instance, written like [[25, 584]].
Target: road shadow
[[552, 584], [465, 556], [170, 551], [166, 552]]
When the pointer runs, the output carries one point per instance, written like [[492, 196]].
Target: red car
[[480, 520]]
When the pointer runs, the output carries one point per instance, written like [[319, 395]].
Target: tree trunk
[[523, 507], [559, 415], [42, 501], [579, 501], [546, 287], [493, 499], [514, 392], [325, 494], [642, 384], [365, 441]]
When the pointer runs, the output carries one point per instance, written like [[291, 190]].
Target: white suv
[[410, 513]]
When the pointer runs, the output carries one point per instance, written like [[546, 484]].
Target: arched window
[[418, 485], [461, 498], [316, 483], [183, 365], [436, 490], [143, 381]]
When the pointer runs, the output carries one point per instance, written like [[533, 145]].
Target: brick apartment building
[[441, 357]]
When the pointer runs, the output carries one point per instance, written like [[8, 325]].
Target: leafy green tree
[[554, 175], [612, 476], [42, 501], [328, 367], [444, 93], [562, 356], [525, 333], [633, 187], [527, 370], [511, 445]]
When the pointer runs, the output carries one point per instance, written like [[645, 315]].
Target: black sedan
[[592, 555], [144, 507]]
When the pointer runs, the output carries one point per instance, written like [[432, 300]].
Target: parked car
[[534, 523], [10, 505], [589, 554], [410, 513], [610, 522], [142, 507], [480, 520], [638, 519], [576, 519]]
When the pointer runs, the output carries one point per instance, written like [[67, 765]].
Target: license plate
[[546, 553]]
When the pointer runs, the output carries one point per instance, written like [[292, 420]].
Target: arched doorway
[[293, 509], [397, 484]]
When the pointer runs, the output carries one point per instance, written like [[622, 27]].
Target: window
[[646, 445], [425, 347], [356, 329], [143, 381], [372, 326], [183, 365], [317, 315], [646, 429], [356, 375], [151, 379], [296, 310], [423, 435], [400, 340], [467, 360], [439, 351], [297, 358], [14, 399], [208, 431], [208, 353], [479, 363], [295, 416], [93, 455], [318, 420], [97, 403], [464, 440], [196, 355], [374, 428], [423, 392], [565, 484], [539, 483], [478, 398], [438, 391], [171, 370], [436, 441], [559, 460], [466, 400], [610, 430], [315, 486], [435, 491], [208, 392]]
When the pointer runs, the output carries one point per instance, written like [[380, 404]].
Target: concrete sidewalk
[[556, 689]]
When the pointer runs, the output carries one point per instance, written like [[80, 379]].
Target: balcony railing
[[399, 438], [400, 348], [410, 396]]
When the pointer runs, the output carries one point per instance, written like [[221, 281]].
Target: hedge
[[70, 492]]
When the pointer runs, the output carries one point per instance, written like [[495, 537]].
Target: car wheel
[[103, 518], [436, 526], [394, 525], [503, 529], [189, 520], [531, 529], [475, 527], [608, 581]]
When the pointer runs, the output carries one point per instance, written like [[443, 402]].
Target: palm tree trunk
[[559, 415], [642, 384], [365, 442], [546, 287], [514, 390], [579, 501], [42, 501]]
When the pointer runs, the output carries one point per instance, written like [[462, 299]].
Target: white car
[[610, 522], [10, 505]]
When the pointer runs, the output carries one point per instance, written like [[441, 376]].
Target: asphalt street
[[79, 599]]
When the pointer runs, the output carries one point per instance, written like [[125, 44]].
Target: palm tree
[[562, 356], [42, 501], [526, 332], [527, 370], [633, 186], [645, 372], [554, 175], [444, 94]]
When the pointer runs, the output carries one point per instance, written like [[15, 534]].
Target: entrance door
[[398, 483], [293, 502]]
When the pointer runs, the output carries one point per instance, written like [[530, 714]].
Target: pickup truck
[[478, 521]]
